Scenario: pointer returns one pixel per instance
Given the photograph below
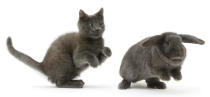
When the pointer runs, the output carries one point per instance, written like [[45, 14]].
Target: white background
[[34, 24]]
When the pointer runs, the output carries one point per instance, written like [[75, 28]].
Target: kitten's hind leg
[[70, 84], [124, 84]]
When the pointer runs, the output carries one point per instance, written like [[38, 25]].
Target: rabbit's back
[[135, 64]]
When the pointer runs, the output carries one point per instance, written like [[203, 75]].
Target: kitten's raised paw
[[156, 85], [94, 62], [124, 84], [107, 51]]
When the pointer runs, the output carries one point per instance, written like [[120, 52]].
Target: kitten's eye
[[101, 24], [90, 24]]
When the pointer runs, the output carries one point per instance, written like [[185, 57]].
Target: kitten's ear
[[101, 12], [153, 41], [82, 14]]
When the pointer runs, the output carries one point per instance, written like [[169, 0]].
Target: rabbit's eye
[[167, 44]]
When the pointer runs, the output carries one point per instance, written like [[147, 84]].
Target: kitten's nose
[[97, 30]]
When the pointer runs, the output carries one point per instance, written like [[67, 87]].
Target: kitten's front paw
[[94, 63], [107, 51]]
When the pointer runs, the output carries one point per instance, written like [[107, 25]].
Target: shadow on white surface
[[170, 90], [138, 88]]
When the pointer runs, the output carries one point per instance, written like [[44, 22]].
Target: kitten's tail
[[23, 57]]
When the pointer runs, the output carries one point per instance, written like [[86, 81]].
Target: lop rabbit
[[155, 58]]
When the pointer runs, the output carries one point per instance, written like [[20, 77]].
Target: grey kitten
[[155, 58], [71, 53]]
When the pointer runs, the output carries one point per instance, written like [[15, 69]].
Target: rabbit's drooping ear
[[191, 39], [153, 40]]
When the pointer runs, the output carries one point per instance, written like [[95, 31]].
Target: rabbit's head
[[170, 44]]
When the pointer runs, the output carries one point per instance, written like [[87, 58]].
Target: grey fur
[[71, 53], [155, 58], [23, 57]]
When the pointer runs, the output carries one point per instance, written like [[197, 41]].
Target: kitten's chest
[[94, 46]]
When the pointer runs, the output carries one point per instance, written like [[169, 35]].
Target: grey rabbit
[[154, 58], [71, 53]]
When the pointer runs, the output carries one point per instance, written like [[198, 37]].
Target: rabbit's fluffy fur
[[155, 58]]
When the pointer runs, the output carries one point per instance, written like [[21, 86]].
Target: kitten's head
[[91, 26]]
